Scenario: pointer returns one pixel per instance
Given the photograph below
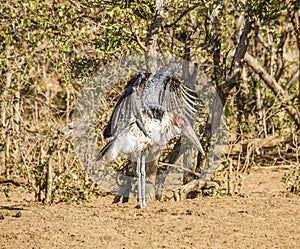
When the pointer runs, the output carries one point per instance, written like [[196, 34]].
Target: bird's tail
[[103, 150]]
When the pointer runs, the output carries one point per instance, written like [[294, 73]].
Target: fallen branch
[[13, 182], [179, 167]]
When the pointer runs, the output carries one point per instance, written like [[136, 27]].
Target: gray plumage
[[150, 112]]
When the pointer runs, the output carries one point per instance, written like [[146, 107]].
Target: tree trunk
[[152, 36], [223, 90], [293, 10], [152, 66], [49, 183], [5, 126]]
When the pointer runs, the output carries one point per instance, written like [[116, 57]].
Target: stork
[[150, 112]]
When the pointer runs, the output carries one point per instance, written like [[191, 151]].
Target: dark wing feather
[[167, 91], [127, 106], [103, 150]]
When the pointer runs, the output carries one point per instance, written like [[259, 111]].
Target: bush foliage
[[49, 49]]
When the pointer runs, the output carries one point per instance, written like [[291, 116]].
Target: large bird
[[150, 112]]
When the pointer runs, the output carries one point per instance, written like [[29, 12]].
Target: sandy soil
[[265, 217]]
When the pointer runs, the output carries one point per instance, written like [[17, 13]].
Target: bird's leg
[[143, 175], [138, 172]]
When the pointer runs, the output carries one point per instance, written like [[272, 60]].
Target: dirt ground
[[265, 216]]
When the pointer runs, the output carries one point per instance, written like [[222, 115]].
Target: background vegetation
[[49, 49]]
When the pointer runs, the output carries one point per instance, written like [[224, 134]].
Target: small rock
[[17, 215], [162, 210], [242, 212], [189, 212], [1, 217]]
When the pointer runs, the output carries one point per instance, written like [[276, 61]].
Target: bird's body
[[150, 112], [132, 139]]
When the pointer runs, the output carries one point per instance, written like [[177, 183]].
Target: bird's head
[[180, 120], [183, 124]]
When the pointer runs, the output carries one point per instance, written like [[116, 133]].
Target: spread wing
[[128, 106], [167, 91], [127, 111]]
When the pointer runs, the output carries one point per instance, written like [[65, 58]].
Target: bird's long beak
[[188, 131]]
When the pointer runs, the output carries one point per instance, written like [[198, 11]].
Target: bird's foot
[[142, 204]]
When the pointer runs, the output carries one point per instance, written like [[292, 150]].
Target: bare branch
[[237, 62], [182, 15], [291, 80], [274, 86], [179, 167], [279, 52], [212, 22], [293, 9]]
